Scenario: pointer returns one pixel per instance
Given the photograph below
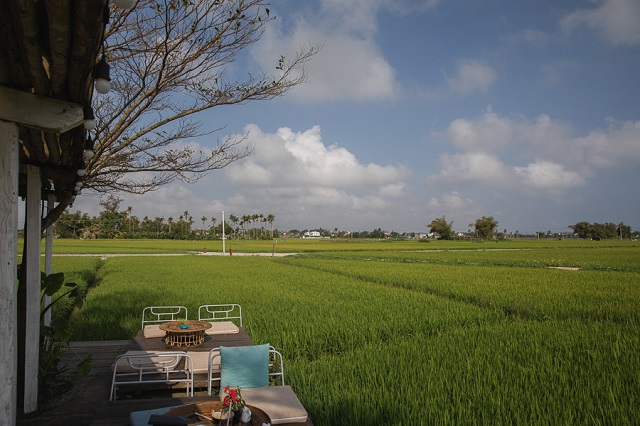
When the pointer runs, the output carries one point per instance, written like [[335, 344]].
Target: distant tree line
[[484, 228], [602, 231], [114, 223]]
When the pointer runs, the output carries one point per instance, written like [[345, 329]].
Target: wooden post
[[9, 170], [48, 257], [28, 110], [32, 323]]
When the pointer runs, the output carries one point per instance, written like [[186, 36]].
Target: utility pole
[[223, 236]]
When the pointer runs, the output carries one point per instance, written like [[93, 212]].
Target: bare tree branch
[[168, 61]]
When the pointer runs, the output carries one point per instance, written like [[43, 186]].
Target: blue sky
[[527, 111]]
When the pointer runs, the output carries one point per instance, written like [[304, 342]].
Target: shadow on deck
[[87, 402]]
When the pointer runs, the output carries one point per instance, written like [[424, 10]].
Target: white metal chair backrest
[[224, 312], [139, 367], [276, 367], [161, 314]]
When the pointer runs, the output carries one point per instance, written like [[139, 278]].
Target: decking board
[[87, 403]]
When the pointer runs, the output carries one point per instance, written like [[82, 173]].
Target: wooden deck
[[87, 403]]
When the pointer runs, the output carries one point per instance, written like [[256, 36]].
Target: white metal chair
[[276, 399], [153, 316], [276, 368], [224, 318], [140, 367]]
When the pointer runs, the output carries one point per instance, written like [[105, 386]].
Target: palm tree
[[213, 223], [245, 219], [254, 219], [188, 219], [203, 219], [270, 219], [261, 218], [234, 219]]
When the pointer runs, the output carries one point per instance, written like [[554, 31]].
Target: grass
[[411, 333]]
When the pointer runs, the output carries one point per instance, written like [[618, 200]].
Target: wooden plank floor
[[87, 403], [80, 405]]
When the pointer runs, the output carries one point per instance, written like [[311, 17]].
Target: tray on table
[[258, 417]]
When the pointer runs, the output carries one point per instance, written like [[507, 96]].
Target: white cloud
[[349, 65], [471, 76], [529, 36], [475, 167], [616, 20], [492, 149], [360, 16], [452, 202], [558, 70], [298, 159], [542, 137], [616, 146], [392, 190], [297, 173], [549, 176], [489, 133]]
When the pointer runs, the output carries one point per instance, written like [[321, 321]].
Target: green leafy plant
[[55, 338]]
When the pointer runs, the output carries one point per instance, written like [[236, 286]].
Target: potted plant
[[233, 402]]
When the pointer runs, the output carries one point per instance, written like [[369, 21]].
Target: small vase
[[236, 417], [184, 326], [246, 415]]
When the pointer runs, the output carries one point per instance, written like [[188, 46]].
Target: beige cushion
[[153, 330], [201, 362], [222, 327], [279, 402]]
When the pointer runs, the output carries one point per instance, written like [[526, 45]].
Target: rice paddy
[[406, 332]]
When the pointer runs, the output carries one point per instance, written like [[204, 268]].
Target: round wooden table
[[258, 417], [191, 336]]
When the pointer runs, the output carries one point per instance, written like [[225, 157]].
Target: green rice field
[[401, 332]]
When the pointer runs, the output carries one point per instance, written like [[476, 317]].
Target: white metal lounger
[[153, 316], [224, 318], [276, 399], [140, 367], [214, 363]]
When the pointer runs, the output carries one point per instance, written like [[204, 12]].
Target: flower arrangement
[[233, 399]]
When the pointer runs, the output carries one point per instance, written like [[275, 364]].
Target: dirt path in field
[[193, 253]]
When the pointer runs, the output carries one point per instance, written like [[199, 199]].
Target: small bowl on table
[[220, 417]]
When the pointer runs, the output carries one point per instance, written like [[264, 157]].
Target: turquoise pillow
[[244, 366]]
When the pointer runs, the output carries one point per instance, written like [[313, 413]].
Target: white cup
[[245, 417]]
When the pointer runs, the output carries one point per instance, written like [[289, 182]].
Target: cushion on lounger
[[222, 327], [244, 366], [201, 362], [279, 402], [153, 330]]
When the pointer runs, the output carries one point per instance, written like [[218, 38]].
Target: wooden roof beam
[[45, 114]]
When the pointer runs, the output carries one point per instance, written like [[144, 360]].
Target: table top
[[258, 417], [174, 326], [140, 343]]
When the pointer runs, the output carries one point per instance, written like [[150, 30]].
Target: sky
[[527, 111]]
